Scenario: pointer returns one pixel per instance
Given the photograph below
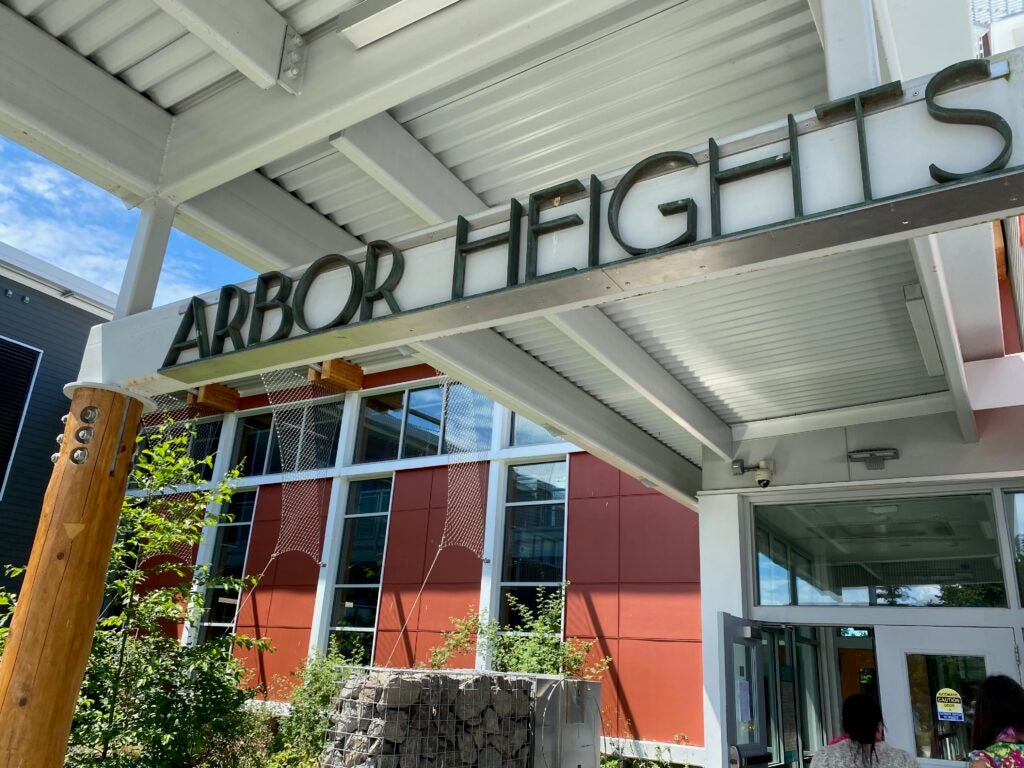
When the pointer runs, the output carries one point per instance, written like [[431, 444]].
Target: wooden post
[[51, 632]]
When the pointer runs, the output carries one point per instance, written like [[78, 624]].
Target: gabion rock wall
[[416, 719]]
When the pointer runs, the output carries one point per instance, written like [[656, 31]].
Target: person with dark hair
[[861, 744], [997, 738]]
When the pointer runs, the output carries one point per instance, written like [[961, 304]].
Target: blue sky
[[54, 215]]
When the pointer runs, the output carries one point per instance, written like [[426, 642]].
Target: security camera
[[764, 472]]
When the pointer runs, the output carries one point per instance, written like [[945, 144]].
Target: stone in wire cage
[[387, 718], [306, 435], [467, 429]]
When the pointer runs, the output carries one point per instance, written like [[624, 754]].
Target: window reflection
[[925, 551]]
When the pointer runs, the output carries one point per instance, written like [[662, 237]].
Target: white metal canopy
[[384, 118]]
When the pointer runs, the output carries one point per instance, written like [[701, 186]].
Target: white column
[[490, 569], [204, 552], [138, 287], [721, 591], [851, 52], [335, 527]]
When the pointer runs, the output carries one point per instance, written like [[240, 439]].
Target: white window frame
[[24, 409], [343, 517], [866, 616], [245, 563]]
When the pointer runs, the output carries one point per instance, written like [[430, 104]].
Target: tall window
[[424, 421], [229, 554], [357, 586], [19, 364], [534, 546], [526, 432], [289, 440]]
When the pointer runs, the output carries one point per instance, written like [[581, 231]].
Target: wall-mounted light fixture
[[873, 458]]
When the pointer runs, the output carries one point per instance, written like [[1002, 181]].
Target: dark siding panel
[[60, 330]]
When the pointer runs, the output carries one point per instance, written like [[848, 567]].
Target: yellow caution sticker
[[949, 705]]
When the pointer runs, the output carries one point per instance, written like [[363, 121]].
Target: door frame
[[894, 642]]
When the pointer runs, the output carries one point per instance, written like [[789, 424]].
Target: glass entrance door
[[928, 682]]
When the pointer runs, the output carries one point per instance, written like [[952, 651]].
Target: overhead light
[[922, 323], [873, 458], [372, 20]]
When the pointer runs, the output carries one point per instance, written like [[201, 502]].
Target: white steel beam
[[69, 110], [371, 20], [248, 34], [851, 53], [243, 128], [603, 340], [61, 105], [146, 258], [996, 383], [394, 158], [968, 258], [490, 364], [890, 410], [256, 222], [932, 276]]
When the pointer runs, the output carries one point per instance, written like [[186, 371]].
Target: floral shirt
[[1002, 754]]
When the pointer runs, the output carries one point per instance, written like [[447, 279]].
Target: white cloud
[[54, 215]]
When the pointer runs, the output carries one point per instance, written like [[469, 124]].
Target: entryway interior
[[809, 671]]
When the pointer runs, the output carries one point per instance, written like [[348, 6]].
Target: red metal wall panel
[[280, 609], [419, 501], [633, 566]]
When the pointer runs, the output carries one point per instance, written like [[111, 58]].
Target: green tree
[[147, 699]]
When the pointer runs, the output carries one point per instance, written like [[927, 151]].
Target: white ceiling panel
[[823, 334], [701, 68]]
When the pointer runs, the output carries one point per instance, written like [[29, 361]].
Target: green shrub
[[531, 643], [303, 732]]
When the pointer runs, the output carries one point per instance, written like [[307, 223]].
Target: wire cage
[[402, 718]]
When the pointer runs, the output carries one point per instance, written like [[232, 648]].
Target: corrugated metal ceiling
[[828, 333], [557, 351], [701, 68], [153, 53], [697, 69]]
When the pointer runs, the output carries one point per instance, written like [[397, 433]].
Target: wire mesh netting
[[306, 440], [388, 718], [467, 431]]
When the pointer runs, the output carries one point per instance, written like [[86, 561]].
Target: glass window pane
[[744, 701], [241, 507], [467, 423], [525, 432], [362, 550], [229, 553], [423, 423], [368, 497], [355, 607], [320, 437], [254, 436], [525, 601], [209, 633], [923, 551], [537, 482], [534, 543], [203, 444], [221, 605], [380, 424], [1015, 510], [941, 728], [356, 647], [773, 578]]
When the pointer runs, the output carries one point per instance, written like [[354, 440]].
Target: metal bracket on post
[[293, 62]]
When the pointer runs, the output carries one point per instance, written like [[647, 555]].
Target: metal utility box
[[567, 723]]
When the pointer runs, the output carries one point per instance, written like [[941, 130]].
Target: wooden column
[[51, 633]]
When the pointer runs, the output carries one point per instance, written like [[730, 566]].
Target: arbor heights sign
[[850, 155]]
